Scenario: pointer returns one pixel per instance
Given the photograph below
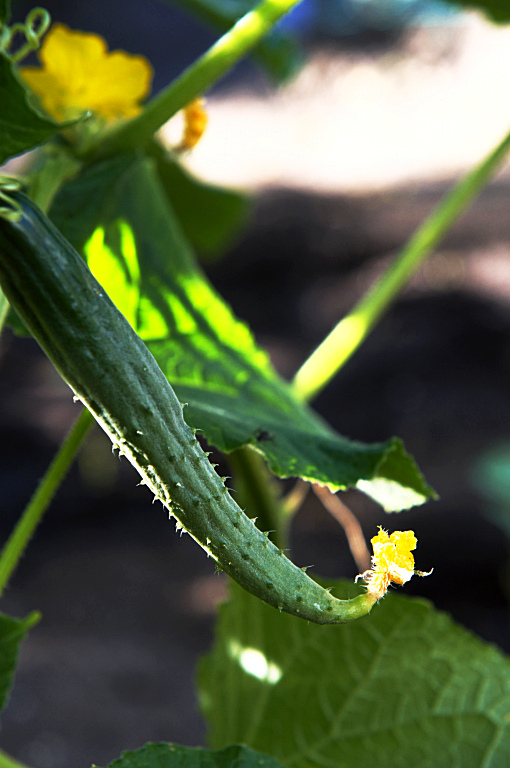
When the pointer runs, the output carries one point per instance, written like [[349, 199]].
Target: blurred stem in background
[[42, 497], [352, 330]]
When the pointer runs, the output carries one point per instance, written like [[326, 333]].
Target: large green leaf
[[174, 756], [402, 687], [12, 632], [279, 52], [119, 215], [21, 126], [210, 216]]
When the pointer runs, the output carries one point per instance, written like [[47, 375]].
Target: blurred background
[[394, 99]]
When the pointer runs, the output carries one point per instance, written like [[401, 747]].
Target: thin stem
[[194, 81], [350, 332], [350, 524], [28, 522], [257, 493]]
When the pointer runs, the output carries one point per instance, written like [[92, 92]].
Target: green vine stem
[[26, 525], [193, 82], [350, 332]]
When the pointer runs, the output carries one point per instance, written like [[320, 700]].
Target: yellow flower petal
[[79, 74], [392, 561]]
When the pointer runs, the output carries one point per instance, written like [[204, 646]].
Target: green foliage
[[174, 756], [403, 687], [12, 632], [120, 216], [21, 126], [497, 10], [210, 216]]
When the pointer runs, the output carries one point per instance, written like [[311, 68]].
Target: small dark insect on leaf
[[262, 435]]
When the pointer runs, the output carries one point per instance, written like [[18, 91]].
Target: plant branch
[[193, 82], [29, 520], [350, 332]]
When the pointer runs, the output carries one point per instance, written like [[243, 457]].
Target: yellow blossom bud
[[195, 123]]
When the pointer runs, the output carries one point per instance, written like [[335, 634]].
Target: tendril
[[33, 29]]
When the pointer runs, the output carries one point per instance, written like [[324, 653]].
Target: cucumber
[[111, 371]]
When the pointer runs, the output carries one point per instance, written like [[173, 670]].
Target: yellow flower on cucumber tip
[[79, 74], [392, 562]]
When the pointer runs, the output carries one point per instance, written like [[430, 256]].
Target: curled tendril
[[33, 29], [9, 209]]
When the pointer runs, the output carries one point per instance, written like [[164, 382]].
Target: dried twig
[[349, 523]]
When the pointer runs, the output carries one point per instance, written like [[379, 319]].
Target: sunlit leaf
[[119, 216], [21, 126], [12, 632], [405, 686], [175, 756]]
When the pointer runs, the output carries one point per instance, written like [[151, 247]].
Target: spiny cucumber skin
[[113, 373]]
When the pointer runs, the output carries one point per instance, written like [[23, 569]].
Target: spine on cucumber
[[112, 372]]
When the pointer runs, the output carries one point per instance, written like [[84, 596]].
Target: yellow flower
[[392, 561], [79, 74]]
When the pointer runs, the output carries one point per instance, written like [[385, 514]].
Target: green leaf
[[210, 216], [405, 686], [174, 756], [498, 10], [12, 632], [21, 126], [118, 214], [279, 53]]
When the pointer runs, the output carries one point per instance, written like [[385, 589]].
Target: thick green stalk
[[28, 522], [350, 332], [194, 81]]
